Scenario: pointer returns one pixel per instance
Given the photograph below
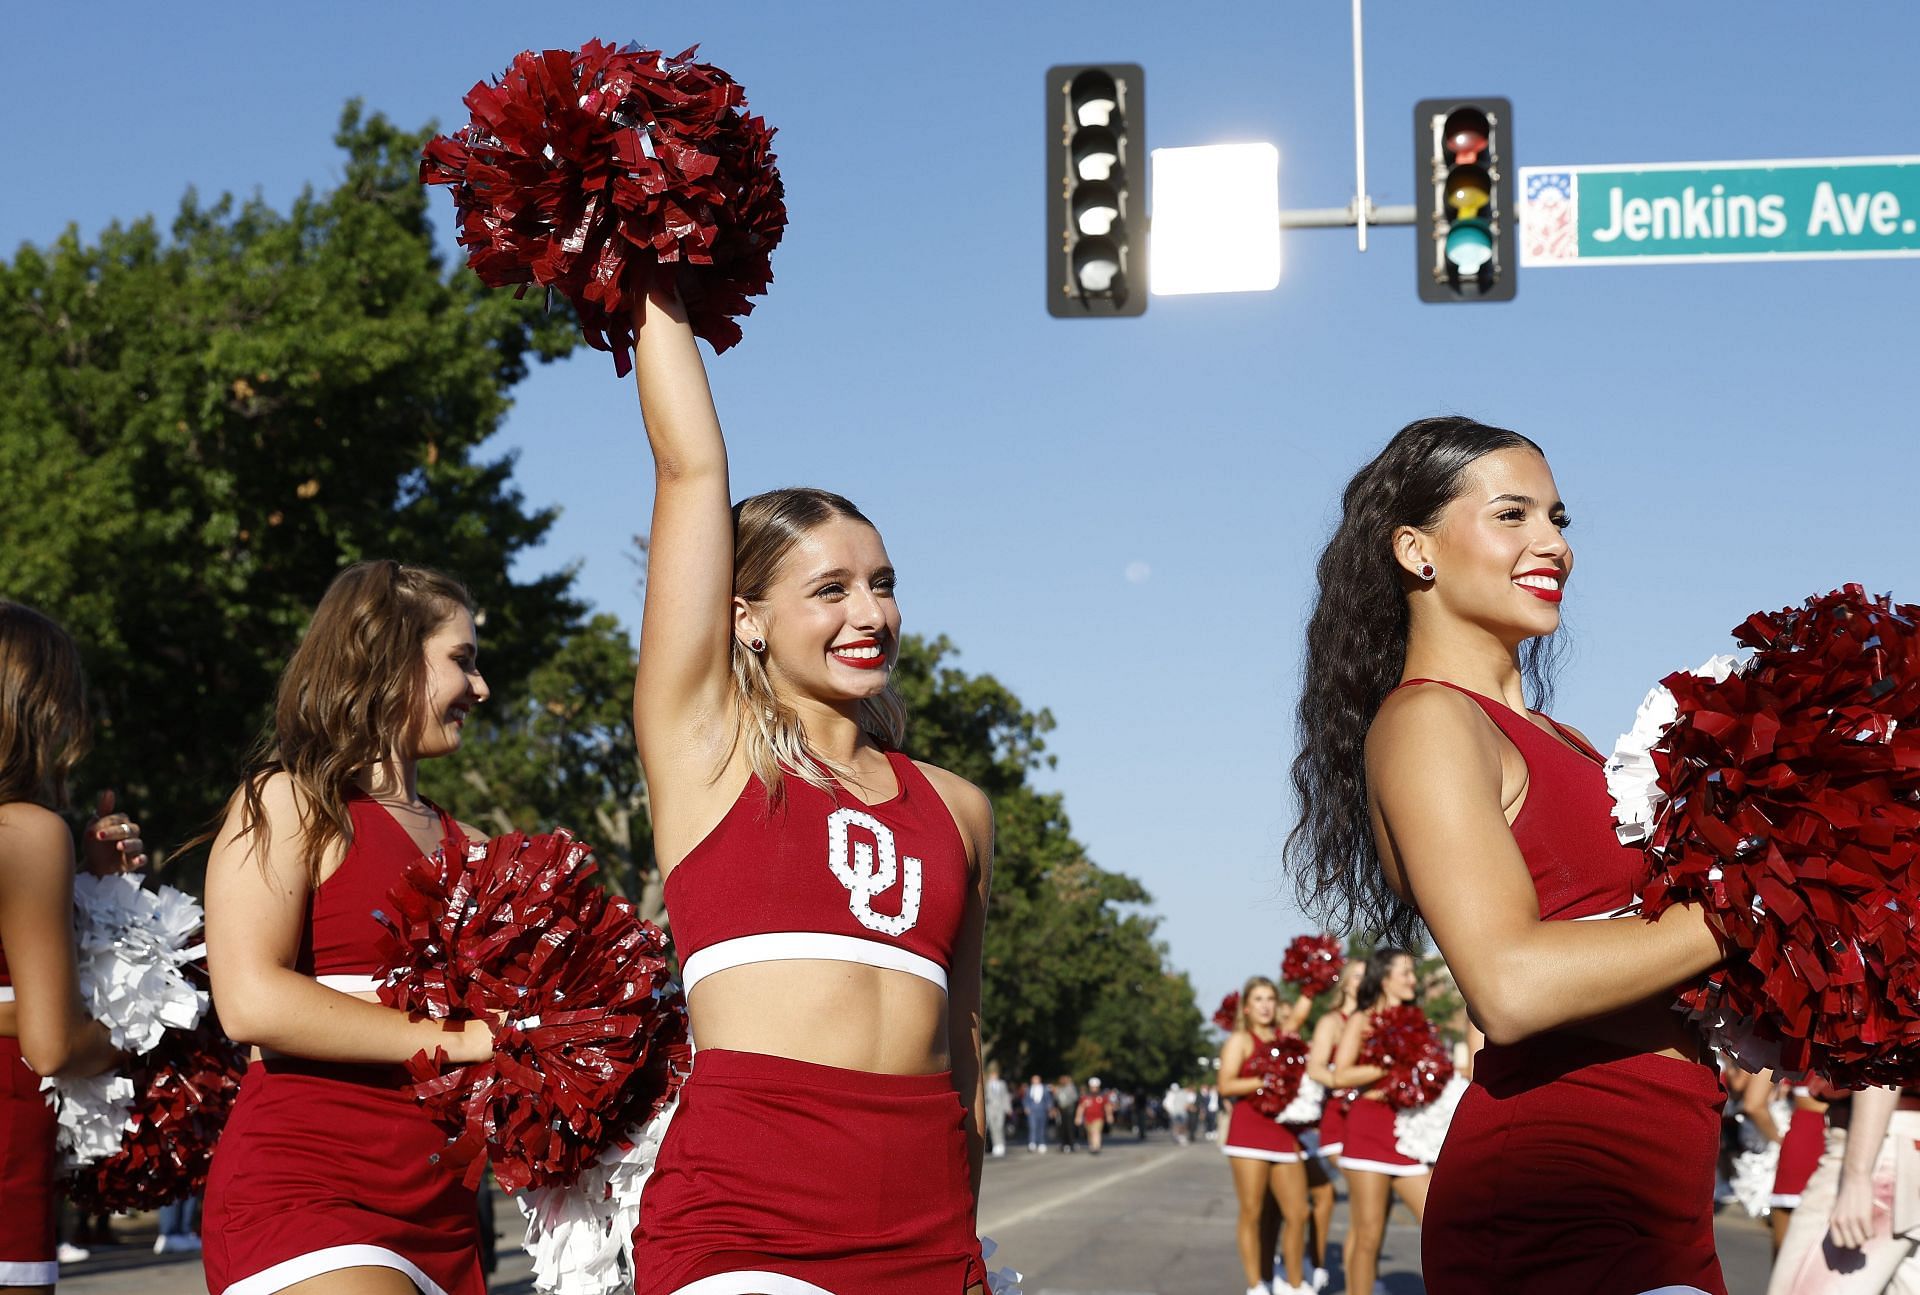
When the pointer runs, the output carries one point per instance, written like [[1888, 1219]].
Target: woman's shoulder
[[970, 807], [1429, 723], [32, 832]]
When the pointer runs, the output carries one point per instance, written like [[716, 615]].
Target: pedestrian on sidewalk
[[179, 1226], [999, 1109], [1039, 1105], [1178, 1103]]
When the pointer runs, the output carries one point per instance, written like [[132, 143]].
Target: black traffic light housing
[[1464, 236], [1096, 190]]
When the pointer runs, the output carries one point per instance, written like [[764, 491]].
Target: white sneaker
[[162, 1244], [68, 1253], [1320, 1279], [1259, 1288], [999, 1151]]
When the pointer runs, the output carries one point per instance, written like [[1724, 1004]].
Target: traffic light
[[1463, 187], [1096, 190]]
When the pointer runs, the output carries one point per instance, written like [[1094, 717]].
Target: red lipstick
[[859, 663], [1545, 595]]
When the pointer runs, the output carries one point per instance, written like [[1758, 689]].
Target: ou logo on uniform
[[868, 871]]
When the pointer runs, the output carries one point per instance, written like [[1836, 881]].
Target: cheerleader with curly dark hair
[[1432, 792]]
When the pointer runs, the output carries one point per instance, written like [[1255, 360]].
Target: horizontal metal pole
[[1343, 217]]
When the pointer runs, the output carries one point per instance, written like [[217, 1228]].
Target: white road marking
[[994, 1226]]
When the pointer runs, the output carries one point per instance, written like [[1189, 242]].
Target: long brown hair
[[348, 696], [765, 529], [43, 707]]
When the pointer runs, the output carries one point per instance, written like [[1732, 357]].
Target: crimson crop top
[[341, 944], [885, 884], [1565, 827]]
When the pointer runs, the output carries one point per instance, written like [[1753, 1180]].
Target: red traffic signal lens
[[1465, 134]]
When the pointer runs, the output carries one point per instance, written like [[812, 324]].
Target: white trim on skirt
[[1332, 1148], [1674, 1290], [1255, 1153], [29, 1272], [749, 1282], [332, 1259], [1348, 1164]]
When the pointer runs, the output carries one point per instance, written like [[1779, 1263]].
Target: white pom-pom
[[93, 1115], [132, 946], [1754, 1167], [1306, 1104], [1005, 1281], [1419, 1131], [1632, 778], [581, 1237]]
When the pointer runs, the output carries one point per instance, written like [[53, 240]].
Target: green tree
[[199, 428], [1074, 976]]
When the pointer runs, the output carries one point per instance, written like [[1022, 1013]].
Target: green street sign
[[1803, 209]]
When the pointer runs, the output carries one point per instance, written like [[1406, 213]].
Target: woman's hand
[[111, 843], [472, 1043], [1851, 1224]]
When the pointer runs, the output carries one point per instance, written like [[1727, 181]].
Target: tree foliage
[[200, 427]]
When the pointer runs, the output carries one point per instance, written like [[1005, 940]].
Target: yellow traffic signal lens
[[1096, 205], [1096, 152], [1469, 190]]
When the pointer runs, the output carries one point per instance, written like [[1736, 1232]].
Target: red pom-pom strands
[[183, 1091], [1789, 808], [1280, 1065], [582, 171], [590, 1037], [1416, 1060], [1313, 963], [1227, 1015]]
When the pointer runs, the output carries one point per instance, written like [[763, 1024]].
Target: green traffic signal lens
[[1469, 246], [1465, 134], [1469, 190]]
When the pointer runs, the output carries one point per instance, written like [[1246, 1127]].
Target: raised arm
[[1434, 766], [255, 917], [57, 1037], [681, 690]]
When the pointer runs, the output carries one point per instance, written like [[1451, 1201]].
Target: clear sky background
[[1727, 437]]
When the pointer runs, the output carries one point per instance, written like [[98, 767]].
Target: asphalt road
[[1142, 1219]]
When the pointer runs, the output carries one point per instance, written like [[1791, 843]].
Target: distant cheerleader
[[1266, 1154]]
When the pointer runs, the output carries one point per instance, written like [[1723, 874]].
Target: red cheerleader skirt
[[1253, 1136], [1799, 1152], [27, 1134], [1333, 1124], [1371, 1146], [793, 1178], [323, 1167], [1575, 1165]]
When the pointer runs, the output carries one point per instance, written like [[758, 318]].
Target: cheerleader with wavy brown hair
[[328, 1175]]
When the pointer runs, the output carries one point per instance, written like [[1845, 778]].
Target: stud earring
[[1426, 571], [756, 644]]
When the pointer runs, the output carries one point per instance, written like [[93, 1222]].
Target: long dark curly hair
[[1373, 979], [1356, 650]]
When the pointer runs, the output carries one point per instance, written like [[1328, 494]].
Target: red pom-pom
[[184, 1089], [1279, 1063], [594, 1040], [1227, 1015], [581, 171], [1417, 1061], [1313, 962], [1794, 819]]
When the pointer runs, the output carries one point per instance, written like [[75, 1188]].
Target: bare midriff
[[842, 1014]]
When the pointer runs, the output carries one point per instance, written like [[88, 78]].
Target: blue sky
[[1727, 437]]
